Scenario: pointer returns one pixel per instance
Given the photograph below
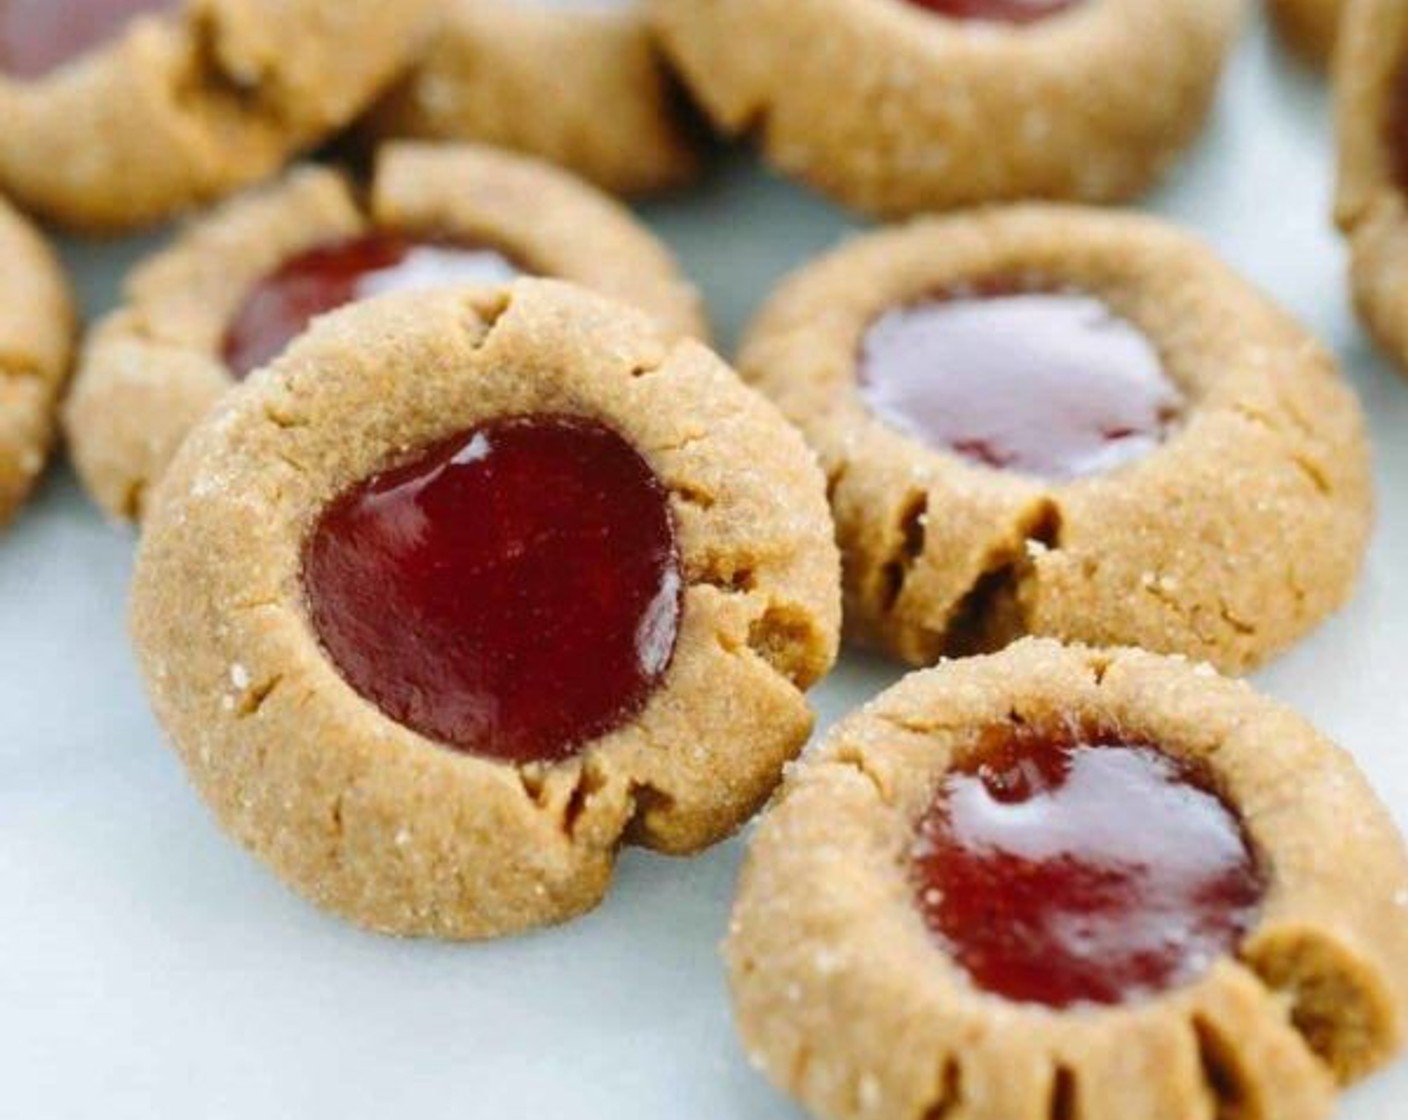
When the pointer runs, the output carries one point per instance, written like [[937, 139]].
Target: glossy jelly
[[513, 592], [1048, 383], [996, 11], [1065, 868], [1396, 126], [327, 277]]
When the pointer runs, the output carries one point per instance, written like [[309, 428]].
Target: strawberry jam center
[[39, 36], [327, 277], [996, 11], [1396, 126], [1052, 384], [514, 592], [1067, 868]]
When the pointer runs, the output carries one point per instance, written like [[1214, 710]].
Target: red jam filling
[[327, 277], [39, 36], [1066, 868], [1396, 127], [513, 592], [1049, 383], [996, 11]]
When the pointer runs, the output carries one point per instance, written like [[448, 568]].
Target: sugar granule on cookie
[[470, 589]]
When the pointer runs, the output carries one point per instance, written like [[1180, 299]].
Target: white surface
[[148, 968]]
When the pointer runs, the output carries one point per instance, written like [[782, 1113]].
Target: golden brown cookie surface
[[36, 341], [1238, 523], [354, 808], [1371, 106], [188, 101], [151, 369], [848, 999], [895, 109], [579, 84]]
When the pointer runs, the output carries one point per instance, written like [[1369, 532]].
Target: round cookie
[[1371, 106], [194, 318], [251, 569], [864, 990], [1212, 491], [576, 82], [36, 340], [119, 113], [1311, 26], [902, 106]]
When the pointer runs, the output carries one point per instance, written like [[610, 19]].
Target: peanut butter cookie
[[1061, 422], [240, 283], [901, 106], [1371, 95], [1066, 883], [119, 113], [36, 338], [577, 82], [470, 588], [1311, 26]]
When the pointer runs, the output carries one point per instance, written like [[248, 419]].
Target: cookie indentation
[[514, 592], [1052, 384], [996, 11], [1062, 867], [39, 36], [326, 277]]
